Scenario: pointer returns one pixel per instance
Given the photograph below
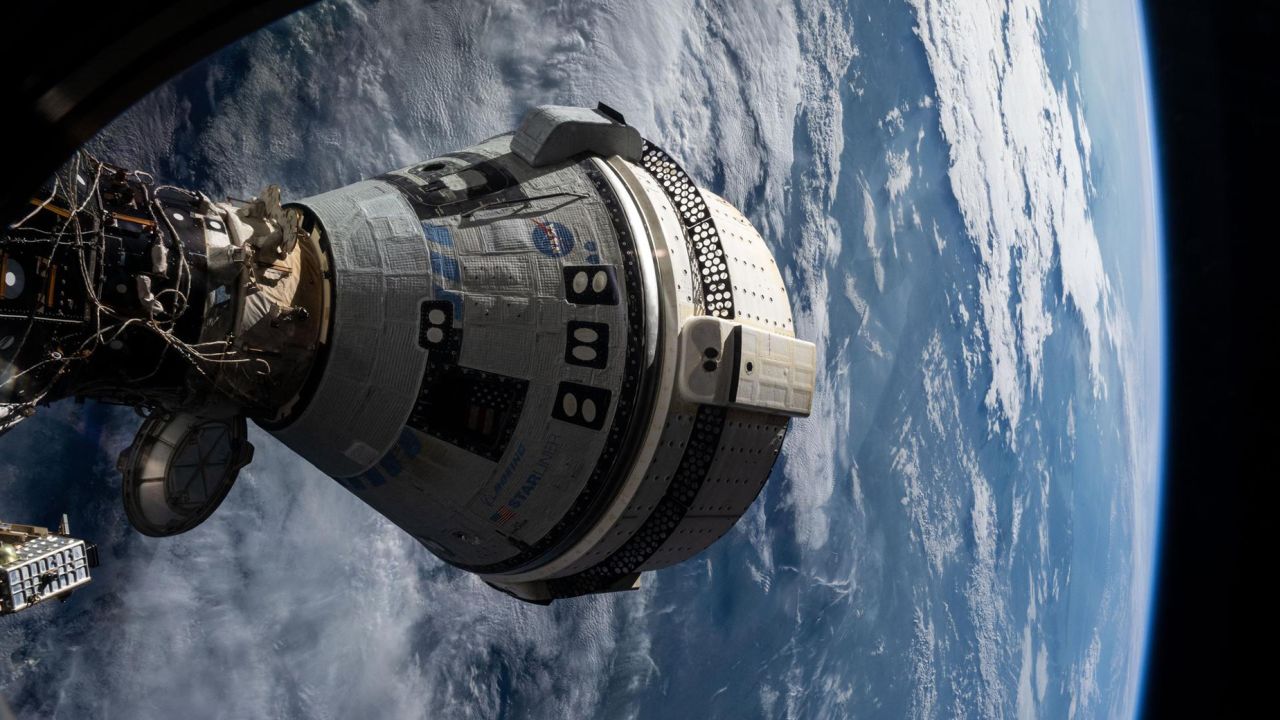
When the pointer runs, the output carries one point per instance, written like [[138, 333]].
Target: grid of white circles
[[704, 238]]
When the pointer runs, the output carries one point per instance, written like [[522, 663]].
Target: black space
[[67, 68], [1215, 77]]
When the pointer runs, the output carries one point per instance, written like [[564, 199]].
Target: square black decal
[[591, 285], [587, 344], [581, 405]]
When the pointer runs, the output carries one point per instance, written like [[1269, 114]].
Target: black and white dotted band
[[699, 228]]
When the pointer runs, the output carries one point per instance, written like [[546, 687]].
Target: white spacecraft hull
[[551, 357], [549, 432]]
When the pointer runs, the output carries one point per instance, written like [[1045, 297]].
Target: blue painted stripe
[[391, 464], [409, 443], [438, 234], [445, 266], [374, 477]]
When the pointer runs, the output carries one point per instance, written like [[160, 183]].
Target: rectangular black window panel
[[473, 409], [436, 331], [587, 344], [581, 405], [591, 284]]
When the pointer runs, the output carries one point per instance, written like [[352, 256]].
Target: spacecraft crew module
[[551, 357]]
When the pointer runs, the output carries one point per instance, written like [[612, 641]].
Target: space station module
[[551, 358]]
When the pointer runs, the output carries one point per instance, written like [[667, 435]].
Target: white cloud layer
[[1017, 172]]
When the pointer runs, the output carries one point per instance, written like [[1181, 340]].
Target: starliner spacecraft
[[551, 358]]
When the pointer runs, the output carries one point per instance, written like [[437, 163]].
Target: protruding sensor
[[551, 357]]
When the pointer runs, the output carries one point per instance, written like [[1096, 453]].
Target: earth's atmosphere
[[961, 194]]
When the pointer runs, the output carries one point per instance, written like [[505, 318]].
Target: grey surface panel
[[745, 456], [382, 272], [630, 404], [695, 462], [658, 476]]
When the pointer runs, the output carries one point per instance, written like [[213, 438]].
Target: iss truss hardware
[[552, 358], [38, 565]]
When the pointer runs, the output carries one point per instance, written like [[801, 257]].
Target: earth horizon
[[963, 200]]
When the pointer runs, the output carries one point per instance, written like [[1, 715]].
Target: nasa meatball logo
[[552, 239]]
